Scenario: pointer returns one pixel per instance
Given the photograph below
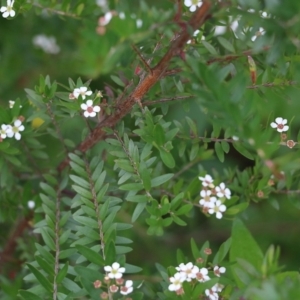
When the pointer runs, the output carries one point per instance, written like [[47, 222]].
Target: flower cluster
[[90, 110], [280, 125], [192, 4], [213, 197], [189, 272], [7, 11], [12, 130], [115, 272], [47, 44]]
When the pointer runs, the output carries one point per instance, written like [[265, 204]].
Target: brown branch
[[273, 84], [229, 58], [7, 254], [197, 20]]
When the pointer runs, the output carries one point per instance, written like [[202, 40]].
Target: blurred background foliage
[[224, 104]]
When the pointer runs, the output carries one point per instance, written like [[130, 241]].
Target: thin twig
[[58, 12]]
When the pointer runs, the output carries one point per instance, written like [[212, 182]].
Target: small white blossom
[[280, 124], [176, 282], [127, 288], [202, 276], [11, 103], [192, 4], [31, 204], [188, 271], [139, 23], [218, 270], [207, 181], [7, 11], [218, 208], [90, 110], [82, 91], [4, 130], [101, 3], [258, 33], [223, 191], [212, 293], [114, 271], [206, 199], [47, 44], [15, 130], [103, 21]]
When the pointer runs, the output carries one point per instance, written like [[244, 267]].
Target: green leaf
[[210, 48], [80, 181], [159, 135], [48, 239], [234, 210], [48, 189], [62, 273], [86, 221], [225, 146], [45, 265], [167, 158], [75, 158], [183, 210], [145, 175], [138, 198], [82, 192], [226, 44], [244, 247], [219, 151], [117, 80], [28, 295], [138, 210], [195, 249], [41, 278], [194, 151], [157, 181], [238, 147], [125, 165], [91, 255], [131, 187]]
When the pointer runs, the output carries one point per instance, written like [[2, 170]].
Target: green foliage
[[164, 151]]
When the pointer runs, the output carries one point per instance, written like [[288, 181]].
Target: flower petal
[[278, 120], [89, 102]]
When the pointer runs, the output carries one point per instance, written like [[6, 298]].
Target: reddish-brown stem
[[147, 83]]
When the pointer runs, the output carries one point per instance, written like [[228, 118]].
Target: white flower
[[218, 208], [206, 200], [15, 130], [4, 130], [212, 293], [223, 191], [192, 4], [31, 204], [90, 110], [82, 91], [218, 270], [194, 35], [139, 23], [207, 181], [105, 19], [260, 32], [47, 44], [280, 124], [202, 276], [11, 103], [188, 271], [176, 282], [127, 288], [114, 271], [101, 3], [7, 11]]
